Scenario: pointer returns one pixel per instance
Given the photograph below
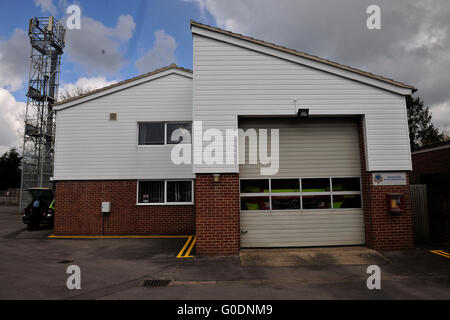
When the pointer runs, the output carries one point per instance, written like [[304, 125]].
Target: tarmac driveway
[[32, 266]]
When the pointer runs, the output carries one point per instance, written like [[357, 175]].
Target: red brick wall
[[78, 211], [431, 162], [384, 231], [217, 214]]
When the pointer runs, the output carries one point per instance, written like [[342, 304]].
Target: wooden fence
[[419, 209]]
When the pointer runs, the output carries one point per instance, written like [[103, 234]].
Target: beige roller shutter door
[[310, 150]]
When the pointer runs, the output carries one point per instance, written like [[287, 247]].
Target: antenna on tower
[[47, 39]]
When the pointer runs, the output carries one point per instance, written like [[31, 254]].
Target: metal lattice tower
[[47, 44]]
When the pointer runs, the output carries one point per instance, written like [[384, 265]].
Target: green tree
[[421, 130], [74, 92], [10, 173]]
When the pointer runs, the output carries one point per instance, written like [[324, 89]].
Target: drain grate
[[155, 283]]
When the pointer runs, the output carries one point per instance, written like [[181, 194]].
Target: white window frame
[[150, 145], [301, 193], [165, 134], [165, 203]]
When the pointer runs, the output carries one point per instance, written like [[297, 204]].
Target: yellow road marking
[[180, 254], [441, 253], [187, 255], [117, 237]]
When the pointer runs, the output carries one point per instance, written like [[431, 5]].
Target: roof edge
[[431, 147], [194, 23], [118, 84]]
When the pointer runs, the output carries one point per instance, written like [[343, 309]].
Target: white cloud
[[10, 123], [413, 45], [426, 39], [97, 48], [441, 115], [86, 84], [46, 6], [228, 16], [125, 27], [162, 54], [14, 60]]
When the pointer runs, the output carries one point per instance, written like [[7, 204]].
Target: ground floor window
[[165, 192], [151, 192], [300, 193]]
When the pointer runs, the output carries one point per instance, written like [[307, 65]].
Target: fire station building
[[342, 152]]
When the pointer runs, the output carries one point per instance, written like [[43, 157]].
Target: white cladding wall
[[90, 147], [230, 80]]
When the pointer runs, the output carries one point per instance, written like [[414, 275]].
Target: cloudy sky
[[121, 39]]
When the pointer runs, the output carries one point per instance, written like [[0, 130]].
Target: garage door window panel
[[301, 194], [285, 185], [316, 202], [255, 186], [346, 184], [286, 203], [346, 193], [255, 203], [351, 201], [316, 185]]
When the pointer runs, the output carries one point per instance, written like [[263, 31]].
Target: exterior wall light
[[216, 178], [303, 113]]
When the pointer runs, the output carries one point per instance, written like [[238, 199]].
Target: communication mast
[[47, 44]]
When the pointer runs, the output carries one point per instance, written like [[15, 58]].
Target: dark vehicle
[[41, 210]]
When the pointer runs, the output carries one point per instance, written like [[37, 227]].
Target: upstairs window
[[162, 133], [179, 132], [151, 133]]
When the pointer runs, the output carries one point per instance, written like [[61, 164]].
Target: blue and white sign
[[389, 179]]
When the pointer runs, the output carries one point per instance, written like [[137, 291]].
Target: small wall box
[[396, 203], [106, 207]]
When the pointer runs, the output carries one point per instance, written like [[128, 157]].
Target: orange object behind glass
[[396, 203]]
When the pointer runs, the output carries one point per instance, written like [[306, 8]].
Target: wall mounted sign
[[389, 179]]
